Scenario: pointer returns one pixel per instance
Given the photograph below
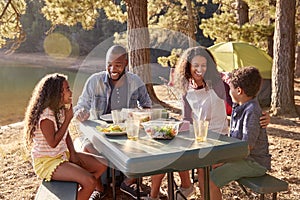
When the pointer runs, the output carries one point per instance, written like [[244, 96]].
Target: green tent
[[233, 55]]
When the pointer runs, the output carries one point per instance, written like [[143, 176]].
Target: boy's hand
[[265, 119]]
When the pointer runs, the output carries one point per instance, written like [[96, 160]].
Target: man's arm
[[81, 110]]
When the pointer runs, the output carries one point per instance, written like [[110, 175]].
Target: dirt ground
[[18, 181]]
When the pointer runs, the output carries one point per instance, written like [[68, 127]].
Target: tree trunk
[[283, 102], [242, 12], [191, 24], [138, 45], [270, 41], [297, 62], [138, 39]]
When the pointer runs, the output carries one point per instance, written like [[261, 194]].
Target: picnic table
[[146, 156]]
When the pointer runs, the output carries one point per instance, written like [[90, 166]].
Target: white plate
[[106, 117], [114, 133]]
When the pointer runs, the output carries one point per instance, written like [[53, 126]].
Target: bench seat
[[57, 190], [265, 184]]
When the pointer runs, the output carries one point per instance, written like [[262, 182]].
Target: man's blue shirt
[[97, 92]]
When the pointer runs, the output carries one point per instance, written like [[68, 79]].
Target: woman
[[203, 98]]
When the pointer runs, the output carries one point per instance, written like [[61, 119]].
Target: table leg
[[170, 185], [113, 176], [138, 183], [206, 183]]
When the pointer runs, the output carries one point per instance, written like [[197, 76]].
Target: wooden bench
[[57, 190], [262, 185]]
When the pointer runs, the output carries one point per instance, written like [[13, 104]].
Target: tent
[[234, 55]]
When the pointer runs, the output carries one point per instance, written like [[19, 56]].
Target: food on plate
[[145, 119], [111, 128], [142, 116]]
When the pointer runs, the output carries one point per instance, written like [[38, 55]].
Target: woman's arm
[[187, 110], [265, 119]]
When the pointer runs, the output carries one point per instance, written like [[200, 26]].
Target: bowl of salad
[[165, 130]]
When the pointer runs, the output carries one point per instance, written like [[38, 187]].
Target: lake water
[[17, 83]]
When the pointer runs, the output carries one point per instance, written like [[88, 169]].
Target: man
[[109, 90]]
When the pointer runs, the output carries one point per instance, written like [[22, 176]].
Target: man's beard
[[123, 72]]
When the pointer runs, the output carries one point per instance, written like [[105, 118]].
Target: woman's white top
[[206, 105]]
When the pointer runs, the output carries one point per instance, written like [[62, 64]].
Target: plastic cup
[[132, 128], [200, 130], [127, 113], [156, 113], [95, 114], [117, 116]]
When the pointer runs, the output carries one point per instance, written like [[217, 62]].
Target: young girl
[[47, 119]]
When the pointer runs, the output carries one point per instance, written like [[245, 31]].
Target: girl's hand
[[69, 113], [265, 119]]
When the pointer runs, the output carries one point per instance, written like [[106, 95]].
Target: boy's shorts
[[235, 170], [45, 166]]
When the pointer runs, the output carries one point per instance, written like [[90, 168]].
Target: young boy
[[244, 86]]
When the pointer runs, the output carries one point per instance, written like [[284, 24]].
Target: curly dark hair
[[248, 79], [183, 69], [47, 93]]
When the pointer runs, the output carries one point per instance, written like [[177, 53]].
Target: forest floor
[[18, 181]]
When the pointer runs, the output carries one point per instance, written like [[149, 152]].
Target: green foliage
[[10, 26], [223, 26], [69, 12], [170, 61]]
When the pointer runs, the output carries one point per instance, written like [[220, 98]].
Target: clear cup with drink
[[132, 128]]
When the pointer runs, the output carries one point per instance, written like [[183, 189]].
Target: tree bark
[[283, 103], [297, 55], [270, 41], [138, 46], [242, 12], [138, 39], [297, 61], [191, 24]]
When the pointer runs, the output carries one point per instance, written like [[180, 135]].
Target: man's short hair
[[248, 79], [117, 50]]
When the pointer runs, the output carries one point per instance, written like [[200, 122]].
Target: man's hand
[[82, 115], [265, 119]]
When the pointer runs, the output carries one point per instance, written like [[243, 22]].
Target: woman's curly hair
[[47, 93], [183, 69]]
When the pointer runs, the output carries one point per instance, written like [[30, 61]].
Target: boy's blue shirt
[[245, 126]]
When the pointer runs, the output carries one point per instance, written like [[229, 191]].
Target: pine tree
[[283, 102]]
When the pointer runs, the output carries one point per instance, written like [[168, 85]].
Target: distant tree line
[[36, 27]]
